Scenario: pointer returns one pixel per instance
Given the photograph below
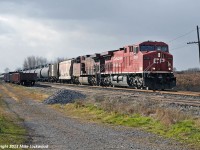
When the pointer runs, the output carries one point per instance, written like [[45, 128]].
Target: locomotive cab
[[157, 65]]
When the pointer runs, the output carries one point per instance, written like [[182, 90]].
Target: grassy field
[[11, 130], [185, 131]]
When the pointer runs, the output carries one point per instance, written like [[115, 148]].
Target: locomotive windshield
[[162, 48], [147, 48], [153, 48]]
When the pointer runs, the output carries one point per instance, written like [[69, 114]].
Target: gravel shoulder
[[49, 127]]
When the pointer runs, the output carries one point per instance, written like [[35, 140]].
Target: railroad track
[[169, 92], [186, 98]]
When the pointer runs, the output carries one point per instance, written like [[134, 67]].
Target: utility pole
[[198, 42]]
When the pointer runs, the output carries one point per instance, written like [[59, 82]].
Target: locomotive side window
[[135, 50], [131, 49], [125, 50]]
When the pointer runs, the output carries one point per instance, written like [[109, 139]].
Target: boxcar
[[23, 78], [7, 77]]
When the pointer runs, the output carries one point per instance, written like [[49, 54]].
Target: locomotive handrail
[[149, 67]]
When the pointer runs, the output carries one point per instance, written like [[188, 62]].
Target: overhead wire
[[181, 36], [179, 47]]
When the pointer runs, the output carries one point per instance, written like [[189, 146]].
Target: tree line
[[35, 61]]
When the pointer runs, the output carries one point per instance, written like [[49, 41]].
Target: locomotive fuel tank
[[119, 81]]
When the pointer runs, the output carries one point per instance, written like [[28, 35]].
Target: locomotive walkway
[[47, 126]]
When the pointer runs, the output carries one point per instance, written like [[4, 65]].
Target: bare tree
[[32, 62], [174, 69], [25, 64], [18, 69], [192, 70], [6, 70], [60, 59]]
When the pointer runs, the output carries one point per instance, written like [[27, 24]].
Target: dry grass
[[23, 92], [170, 116], [188, 81], [145, 107]]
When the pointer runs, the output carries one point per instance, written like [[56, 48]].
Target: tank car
[[53, 72], [38, 72], [44, 73]]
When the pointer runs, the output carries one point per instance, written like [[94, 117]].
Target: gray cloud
[[70, 28]]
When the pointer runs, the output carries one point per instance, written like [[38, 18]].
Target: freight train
[[145, 65]]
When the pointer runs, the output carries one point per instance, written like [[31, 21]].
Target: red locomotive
[[144, 65]]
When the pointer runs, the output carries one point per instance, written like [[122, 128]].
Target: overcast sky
[[69, 28]]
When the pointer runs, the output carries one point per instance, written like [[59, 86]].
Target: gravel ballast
[[64, 96]]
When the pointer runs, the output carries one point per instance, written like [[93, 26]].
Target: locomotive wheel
[[138, 82], [92, 81], [130, 81], [107, 81]]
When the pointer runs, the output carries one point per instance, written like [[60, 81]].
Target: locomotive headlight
[[170, 68], [153, 68]]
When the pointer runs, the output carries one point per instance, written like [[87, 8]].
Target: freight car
[[65, 71], [2, 77], [20, 78], [53, 72], [7, 76], [146, 65]]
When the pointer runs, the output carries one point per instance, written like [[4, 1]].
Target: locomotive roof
[[108, 53], [152, 43], [95, 55]]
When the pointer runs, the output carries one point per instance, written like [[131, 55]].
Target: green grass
[[10, 130], [185, 131]]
